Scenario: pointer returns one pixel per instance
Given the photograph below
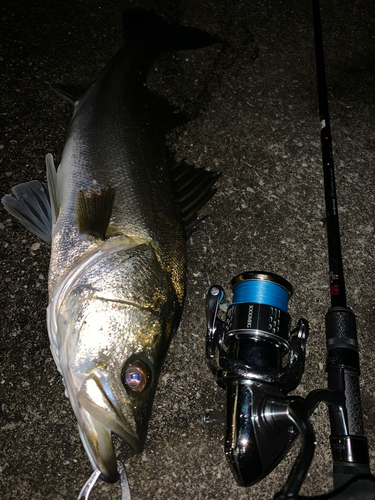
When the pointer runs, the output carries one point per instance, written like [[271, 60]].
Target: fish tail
[[141, 24]]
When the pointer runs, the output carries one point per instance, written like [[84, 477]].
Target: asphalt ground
[[254, 104]]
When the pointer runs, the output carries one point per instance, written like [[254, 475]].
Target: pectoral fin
[[94, 211]]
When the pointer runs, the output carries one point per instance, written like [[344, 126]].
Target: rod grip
[[348, 443]]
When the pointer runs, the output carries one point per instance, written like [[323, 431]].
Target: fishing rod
[[349, 445], [257, 358]]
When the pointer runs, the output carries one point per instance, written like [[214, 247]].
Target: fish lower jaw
[[100, 449], [99, 417]]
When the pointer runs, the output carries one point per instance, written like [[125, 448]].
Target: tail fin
[[143, 24]]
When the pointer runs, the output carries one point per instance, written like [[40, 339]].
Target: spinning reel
[[257, 358], [245, 353]]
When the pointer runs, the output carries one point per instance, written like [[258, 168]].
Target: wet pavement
[[257, 124]]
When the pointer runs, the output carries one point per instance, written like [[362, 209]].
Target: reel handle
[[348, 443]]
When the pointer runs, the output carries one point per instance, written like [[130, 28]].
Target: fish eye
[[135, 376]]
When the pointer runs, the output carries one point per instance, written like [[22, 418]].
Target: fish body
[[120, 213]]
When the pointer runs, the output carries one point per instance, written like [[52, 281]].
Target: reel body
[[256, 357]]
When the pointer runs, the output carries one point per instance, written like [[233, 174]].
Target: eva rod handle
[[348, 443]]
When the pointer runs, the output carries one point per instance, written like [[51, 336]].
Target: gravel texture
[[254, 102]]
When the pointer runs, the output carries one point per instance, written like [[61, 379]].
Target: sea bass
[[117, 212]]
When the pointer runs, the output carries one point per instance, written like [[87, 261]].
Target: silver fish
[[120, 209]]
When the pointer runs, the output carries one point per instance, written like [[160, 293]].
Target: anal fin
[[194, 188]]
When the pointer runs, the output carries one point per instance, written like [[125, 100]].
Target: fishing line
[[202, 254], [261, 292], [90, 483]]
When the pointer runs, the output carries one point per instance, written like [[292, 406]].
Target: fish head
[[113, 330]]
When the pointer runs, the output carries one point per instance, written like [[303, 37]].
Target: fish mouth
[[99, 417]]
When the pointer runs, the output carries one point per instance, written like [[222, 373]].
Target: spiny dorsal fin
[[53, 187], [31, 206], [194, 188], [94, 211], [71, 92]]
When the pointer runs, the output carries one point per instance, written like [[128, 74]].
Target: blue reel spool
[[260, 309], [262, 288]]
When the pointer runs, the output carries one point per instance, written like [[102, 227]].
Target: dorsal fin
[[71, 92], [94, 211], [194, 188], [53, 187], [31, 206], [36, 204]]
